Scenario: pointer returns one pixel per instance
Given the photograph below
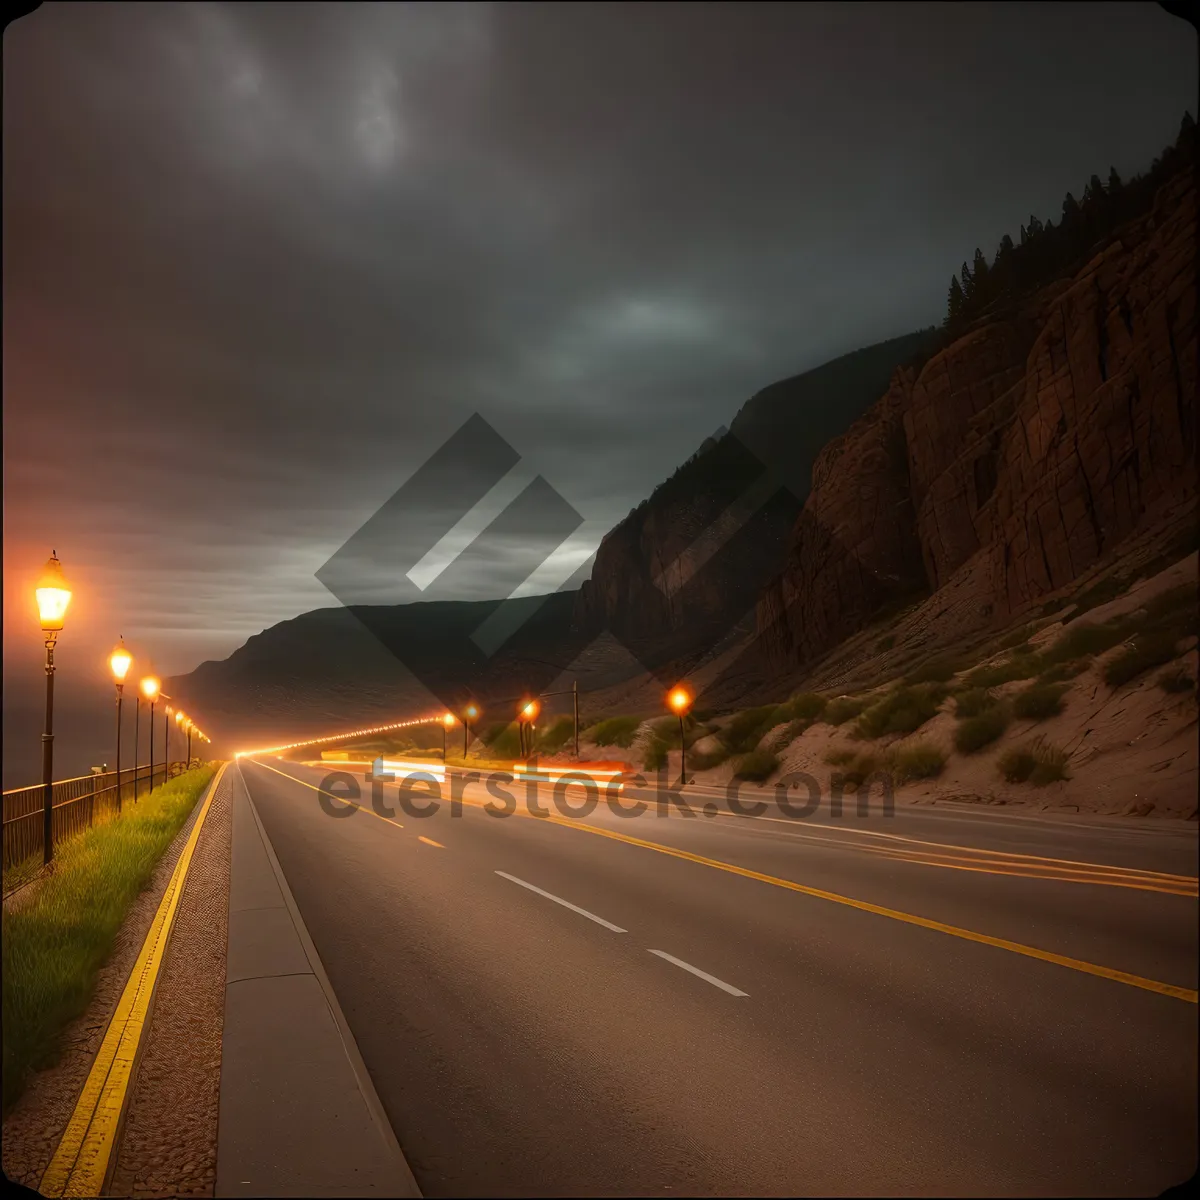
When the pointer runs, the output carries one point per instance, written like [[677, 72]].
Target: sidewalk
[[299, 1115]]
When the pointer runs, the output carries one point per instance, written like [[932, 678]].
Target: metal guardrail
[[76, 804]]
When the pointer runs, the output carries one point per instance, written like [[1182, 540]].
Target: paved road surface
[[554, 1007]]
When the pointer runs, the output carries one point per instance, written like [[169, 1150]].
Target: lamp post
[[469, 715], [150, 691], [53, 596], [179, 719], [137, 717], [188, 727], [168, 711], [526, 715], [447, 722], [680, 700], [118, 662]]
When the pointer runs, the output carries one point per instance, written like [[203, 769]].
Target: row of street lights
[[53, 597], [119, 662], [679, 700]]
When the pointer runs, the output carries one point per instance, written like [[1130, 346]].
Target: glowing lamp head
[[447, 719], [472, 711], [680, 699], [178, 717], [53, 595], [530, 710], [119, 662], [149, 687]]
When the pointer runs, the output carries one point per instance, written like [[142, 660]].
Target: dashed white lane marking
[[725, 987], [583, 912]]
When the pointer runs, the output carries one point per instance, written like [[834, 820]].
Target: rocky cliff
[[685, 566], [1033, 444]]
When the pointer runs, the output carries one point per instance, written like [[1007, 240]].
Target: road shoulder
[[299, 1115]]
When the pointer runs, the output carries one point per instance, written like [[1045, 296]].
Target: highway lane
[[546, 1010]]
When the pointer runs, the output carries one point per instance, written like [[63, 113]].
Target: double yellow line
[[81, 1162], [1030, 867], [972, 858]]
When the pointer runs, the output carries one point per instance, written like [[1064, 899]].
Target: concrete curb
[[299, 1114]]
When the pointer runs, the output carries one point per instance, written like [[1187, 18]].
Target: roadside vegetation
[[1152, 648], [843, 709], [921, 760], [1039, 763], [1176, 679], [1151, 634], [557, 734], [615, 731], [756, 766], [1039, 701], [663, 737], [753, 740], [982, 721], [502, 741], [55, 942], [903, 710], [1061, 672]]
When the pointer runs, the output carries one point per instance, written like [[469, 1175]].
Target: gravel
[[169, 1139]]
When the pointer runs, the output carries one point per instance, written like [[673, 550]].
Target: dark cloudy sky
[[261, 260]]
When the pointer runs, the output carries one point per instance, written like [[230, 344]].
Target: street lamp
[[53, 596], [119, 662], [447, 722], [680, 700], [149, 687], [167, 711], [526, 715], [470, 713]]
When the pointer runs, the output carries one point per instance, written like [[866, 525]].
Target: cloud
[[259, 262]]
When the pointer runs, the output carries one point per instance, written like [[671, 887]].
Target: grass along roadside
[[56, 942]]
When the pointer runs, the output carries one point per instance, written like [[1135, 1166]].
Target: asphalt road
[[934, 1002]]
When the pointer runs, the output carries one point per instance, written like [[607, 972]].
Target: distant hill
[[333, 665]]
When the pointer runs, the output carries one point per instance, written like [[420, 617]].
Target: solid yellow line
[[80, 1163], [1062, 960], [1151, 985], [431, 842]]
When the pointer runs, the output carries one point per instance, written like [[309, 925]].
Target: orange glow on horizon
[[341, 737]]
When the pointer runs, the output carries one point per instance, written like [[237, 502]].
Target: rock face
[[1028, 448], [1104, 429], [855, 544], [690, 563]]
